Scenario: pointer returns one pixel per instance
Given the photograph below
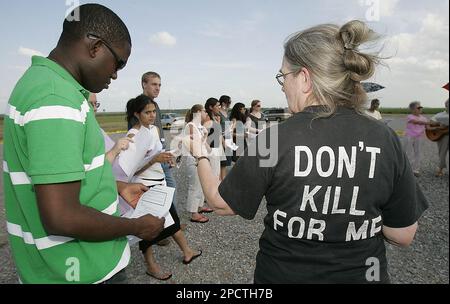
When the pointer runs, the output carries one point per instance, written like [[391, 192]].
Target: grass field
[[113, 122]]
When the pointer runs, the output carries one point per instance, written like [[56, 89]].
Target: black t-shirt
[[258, 123], [214, 135], [330, 185]]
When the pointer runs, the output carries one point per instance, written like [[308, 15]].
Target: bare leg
[[223, 173], [181, 240], [152, 266]]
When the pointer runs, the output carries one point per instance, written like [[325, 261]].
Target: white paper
[[230, 144], [157, 202], [131, 159]]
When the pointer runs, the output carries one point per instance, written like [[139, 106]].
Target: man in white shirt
[[373, 111], [441, 119]]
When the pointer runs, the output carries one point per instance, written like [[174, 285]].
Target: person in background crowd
[[130, 193], [151, 86], [255, 114], [414, 134], [225, 103], [258, 121], [373, 110], [238, 127], [195, 118], [440, 122], [215, 139], [340, 183], [142, 113]]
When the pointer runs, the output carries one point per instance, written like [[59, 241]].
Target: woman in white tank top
[[195, 200], [141, 113]]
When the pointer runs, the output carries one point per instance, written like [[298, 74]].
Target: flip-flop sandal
[[193, 258], [159, 276], [203, 220]]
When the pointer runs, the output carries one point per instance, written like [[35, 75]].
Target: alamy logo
[[373, 272], [73, 272], [373, 12], [73, 12]]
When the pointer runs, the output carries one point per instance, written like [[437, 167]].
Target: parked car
[[167, 120], [277, 114], [178, 123]]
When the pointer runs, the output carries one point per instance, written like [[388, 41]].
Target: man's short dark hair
[[375, 101], [98, 20]]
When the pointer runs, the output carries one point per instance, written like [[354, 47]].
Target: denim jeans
[[170, 180]]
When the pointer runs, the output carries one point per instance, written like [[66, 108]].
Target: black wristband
[[200, 158]]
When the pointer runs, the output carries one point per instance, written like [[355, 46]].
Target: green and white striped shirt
[[51, 136]]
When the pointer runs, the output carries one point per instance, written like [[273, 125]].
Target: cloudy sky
[[207, 48]]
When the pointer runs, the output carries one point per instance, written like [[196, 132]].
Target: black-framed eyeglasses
[[280, 77], [95, 104], [120, 63]]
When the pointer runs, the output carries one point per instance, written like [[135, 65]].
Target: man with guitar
[[438, 132]]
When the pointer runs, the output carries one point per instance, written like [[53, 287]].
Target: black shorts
[[169, 231], [227, 163]]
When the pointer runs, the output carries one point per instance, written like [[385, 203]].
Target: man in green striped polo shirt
[[60, 193]]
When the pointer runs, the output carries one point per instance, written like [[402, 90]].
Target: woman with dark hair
[[215, 138], [195, 118], [225, 103], [141, 113], [373, 110], [238, 119]]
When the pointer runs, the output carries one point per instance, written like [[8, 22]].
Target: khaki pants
[[412, 147], [443, 151]]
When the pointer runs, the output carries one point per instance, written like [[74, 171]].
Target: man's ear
[[94, 47]]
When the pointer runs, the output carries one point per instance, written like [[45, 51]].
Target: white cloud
[[420, 61], [163, 38], [426, 49], [29, 52]]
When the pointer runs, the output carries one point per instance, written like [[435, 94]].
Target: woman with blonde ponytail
[[339, 185]]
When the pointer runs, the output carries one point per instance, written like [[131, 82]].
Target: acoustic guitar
[[435, 134]]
